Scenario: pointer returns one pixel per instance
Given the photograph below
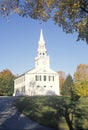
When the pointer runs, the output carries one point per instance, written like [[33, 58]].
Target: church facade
[[41, 80]]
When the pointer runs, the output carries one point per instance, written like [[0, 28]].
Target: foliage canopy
[[6, 82], [71, 15], [62, 77], [81, 80]]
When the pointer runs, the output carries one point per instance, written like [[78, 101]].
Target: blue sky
[[19, 42]]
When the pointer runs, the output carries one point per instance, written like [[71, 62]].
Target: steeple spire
[[41, 36], [41, 39], [42, 59], [41, 46]]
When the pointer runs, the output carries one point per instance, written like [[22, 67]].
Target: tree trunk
[[69, 122]]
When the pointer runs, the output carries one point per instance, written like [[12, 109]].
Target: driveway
[[11, 119]]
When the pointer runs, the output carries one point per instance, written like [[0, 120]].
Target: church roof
[[38, 71], [42, 71], [23, 73]]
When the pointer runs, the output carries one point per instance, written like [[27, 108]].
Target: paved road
[[11, 119]]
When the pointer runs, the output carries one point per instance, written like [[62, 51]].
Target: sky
[[19, 42]]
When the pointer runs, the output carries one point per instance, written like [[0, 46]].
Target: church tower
[[42, 59], [41, 80]]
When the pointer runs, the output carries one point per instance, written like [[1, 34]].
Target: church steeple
[[42, 60], [41, 46], [41, 36]]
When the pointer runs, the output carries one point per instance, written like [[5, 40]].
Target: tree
[[81, 73], [71, 15], [6, 82], [62, 77], [81, 80], [75, 113], [67, 86], [81, 89], [8, 6]]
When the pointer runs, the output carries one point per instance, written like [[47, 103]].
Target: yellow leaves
[[83, 22], [75, 8], [16, 10], [81, 89], [81, 80], [77, 4], [50, 2]]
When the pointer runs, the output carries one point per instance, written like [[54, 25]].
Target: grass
[[44, 110]]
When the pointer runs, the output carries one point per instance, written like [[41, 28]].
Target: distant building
[[41, 80]]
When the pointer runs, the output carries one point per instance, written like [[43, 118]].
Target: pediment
[[41, 70]]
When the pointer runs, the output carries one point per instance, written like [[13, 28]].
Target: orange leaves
[[6, 82], [5, 72]]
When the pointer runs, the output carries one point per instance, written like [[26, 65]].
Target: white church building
[[41, 80]]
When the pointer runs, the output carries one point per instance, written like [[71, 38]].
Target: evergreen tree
[[67, 86]]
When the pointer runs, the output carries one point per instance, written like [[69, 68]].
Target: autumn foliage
[[62, 77], [6, 82], [70, 15], [81, 80]]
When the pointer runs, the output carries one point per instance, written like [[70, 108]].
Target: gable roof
[[41, 71]]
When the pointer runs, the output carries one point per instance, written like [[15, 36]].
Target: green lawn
[[52, 111]]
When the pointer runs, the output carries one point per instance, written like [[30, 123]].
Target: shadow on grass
[[11, 119], [39, 109], [53, 111], [19, 122]]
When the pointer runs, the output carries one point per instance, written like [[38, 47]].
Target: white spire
[[41, 36], [41, 40], [42, 59], [41, 46]]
